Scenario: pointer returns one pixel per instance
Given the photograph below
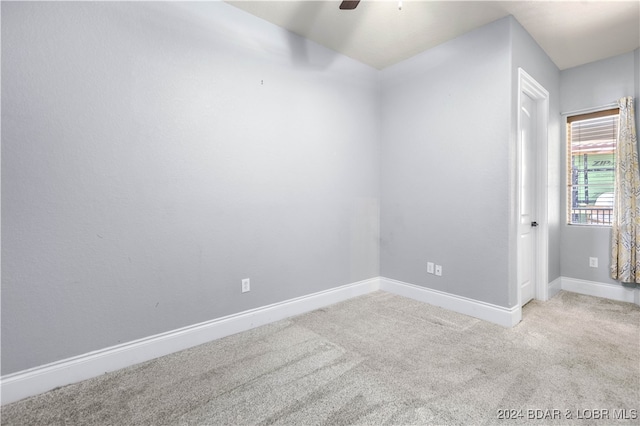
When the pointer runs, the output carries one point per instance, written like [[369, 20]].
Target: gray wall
[[146, 171], [154, 154], [587, 86], [529, 56], [445, 174]]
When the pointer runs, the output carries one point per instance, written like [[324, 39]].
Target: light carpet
[[379, 359]]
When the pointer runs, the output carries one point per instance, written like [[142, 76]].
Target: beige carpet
[[379, 359]]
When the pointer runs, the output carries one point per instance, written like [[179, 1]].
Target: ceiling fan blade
[[349, 5]]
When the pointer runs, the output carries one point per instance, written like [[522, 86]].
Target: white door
[[527, 226]]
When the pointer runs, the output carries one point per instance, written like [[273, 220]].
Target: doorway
[[532, 227]]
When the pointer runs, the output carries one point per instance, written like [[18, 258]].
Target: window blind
[[591, 167]]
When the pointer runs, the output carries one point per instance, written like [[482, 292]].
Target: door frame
[[529, 86]]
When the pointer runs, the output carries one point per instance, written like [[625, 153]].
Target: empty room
[[320, 212]]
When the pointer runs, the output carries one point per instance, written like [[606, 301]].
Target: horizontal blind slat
[[591, 158]]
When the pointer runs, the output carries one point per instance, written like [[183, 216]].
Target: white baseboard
[[40, 379], [36, 380], [507, 317], [554, 287], [608, 291]]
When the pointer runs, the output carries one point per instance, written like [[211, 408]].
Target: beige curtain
[[625, 235]]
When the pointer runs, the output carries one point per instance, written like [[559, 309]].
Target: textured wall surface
[[154, 154], [529, 56], [588, 86], [445, 169]]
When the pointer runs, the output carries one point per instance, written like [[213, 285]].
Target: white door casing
[[535, 98]]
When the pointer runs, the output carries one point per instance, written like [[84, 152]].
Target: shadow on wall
[[305, 53], [209, 30]]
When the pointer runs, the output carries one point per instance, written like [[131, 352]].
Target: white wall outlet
[[430, 267], [593, 262], [439, 270], [246, 285]]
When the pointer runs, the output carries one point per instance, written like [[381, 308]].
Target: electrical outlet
[[246, 285], [439, 270], [430, 267], [593, 262]]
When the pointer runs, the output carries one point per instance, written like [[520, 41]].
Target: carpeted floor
[[379, 359]]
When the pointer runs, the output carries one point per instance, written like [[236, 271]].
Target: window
[[590, 170]]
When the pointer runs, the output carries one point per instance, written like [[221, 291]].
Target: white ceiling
[[377, 33]]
